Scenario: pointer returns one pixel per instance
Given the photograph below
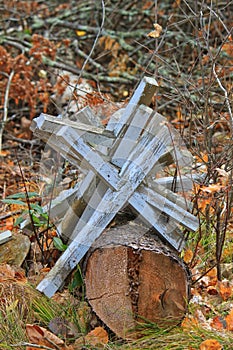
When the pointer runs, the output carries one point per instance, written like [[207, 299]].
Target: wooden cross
[[120, 163]]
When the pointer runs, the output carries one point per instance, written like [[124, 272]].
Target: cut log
[[132, 277]]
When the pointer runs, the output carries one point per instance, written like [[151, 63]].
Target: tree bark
[[131, 277]]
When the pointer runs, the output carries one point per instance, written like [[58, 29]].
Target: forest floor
[[58, 57]]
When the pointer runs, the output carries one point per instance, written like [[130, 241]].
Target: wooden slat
[[46, 125], [109, 205], [141, 147], [155, 131], [123, 146], [59, 205], [165, 227], [142, 96], [86, 116], [160, 128], [170, 195], [181, 183], [91, 206], [107, 172], [5, 236], [80, 200], [172, 208]]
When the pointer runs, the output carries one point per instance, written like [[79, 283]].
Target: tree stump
[[131, 277]]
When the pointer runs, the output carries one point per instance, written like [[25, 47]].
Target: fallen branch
[[5, 108]]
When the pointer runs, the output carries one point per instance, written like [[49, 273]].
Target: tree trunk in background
[[131, 276]]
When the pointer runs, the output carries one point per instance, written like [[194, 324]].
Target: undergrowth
[[42, 44]]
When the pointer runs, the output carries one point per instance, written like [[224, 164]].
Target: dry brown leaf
[[228, 46], [211, 290], [40, 336], [229, 321], [156, 32], [210, 344], [211, 188], [4, 153], [218, 323], [225, 289], [188, 255], [7, 273], [97, 336], [189, 323]]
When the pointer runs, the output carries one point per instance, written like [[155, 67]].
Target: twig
[[68, 68], [8, 215], [29, 210], [5, 108], [94, 63], [225, 94], [86, 28], [17, 139], [96, 38], [32, 346]]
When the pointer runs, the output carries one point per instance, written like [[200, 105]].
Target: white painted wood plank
[[170, 195], [167, 229], [160, 136], [59, 205], [123, 146], [74, 211], [110, 204], [5, 236], [142, 96], [90, 209], [160, 128], [171, 208], [180, 183], [107, 172], [86, 116], [46, 125]]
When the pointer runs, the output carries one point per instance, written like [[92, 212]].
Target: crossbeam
[[137, 143]]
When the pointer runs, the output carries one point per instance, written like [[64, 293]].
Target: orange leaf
[[211, 290], [40, 336], [6, 272], [228, 47], [210, 344], [211, 188], [188, 255], [189, 323], [4, 153], [229, 321], [155, 33], [218, 323], [225, 290], [97, 336]]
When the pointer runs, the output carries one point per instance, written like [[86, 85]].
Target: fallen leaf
[[6, 272], [218, 323], [228, 46], [229, 321], [189, 323], [211, 290], [62, 327], [210, 344], [211, 188], [40, 336], [155, 33], [97, 336], [80, 32], [188, 255], [4, 153], [225, 289]]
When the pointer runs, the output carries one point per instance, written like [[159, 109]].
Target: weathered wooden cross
[[120, 163]]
